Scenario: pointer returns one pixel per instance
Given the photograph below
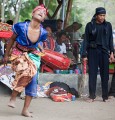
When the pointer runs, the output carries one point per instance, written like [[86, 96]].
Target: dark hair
[[48, 26], [10, 22], [62, 33], [27, 20], [59, 20]]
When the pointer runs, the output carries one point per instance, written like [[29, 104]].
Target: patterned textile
[[25, 69], [51, 43], [58, 94], [19, 49]]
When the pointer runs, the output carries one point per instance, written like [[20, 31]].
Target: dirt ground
[[46, 109]]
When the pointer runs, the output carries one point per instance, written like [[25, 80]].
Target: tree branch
[[56, 11]]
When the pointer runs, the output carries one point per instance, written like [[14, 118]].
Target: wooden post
[[69, 7]]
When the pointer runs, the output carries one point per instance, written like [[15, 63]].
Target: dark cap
[[100, 10]]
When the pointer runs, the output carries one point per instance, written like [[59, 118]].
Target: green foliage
[[87, 10], [26, 11], [30, 4], [52, 6], [82, 10]]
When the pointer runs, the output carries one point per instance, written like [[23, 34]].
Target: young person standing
[[25, 56]]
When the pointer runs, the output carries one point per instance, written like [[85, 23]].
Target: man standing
[[98, 50]]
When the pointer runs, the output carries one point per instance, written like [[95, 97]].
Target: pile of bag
[[60, 92]]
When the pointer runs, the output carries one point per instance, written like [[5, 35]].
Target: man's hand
[[111, 59], [46, 48], [43, 51], [5, 60]]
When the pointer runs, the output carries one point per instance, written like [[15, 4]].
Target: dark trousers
[[98, 58]]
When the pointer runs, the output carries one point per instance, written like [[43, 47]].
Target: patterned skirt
[[25, 64]]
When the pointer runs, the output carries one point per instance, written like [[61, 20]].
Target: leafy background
[[82, 10]]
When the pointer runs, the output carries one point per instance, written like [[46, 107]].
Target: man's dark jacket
[[91, 35]]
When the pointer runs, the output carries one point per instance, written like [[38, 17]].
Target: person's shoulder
[[19, 24], [88, 24], [108, 23], [18, 27]]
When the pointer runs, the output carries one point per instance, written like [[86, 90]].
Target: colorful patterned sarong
[[25, 65]]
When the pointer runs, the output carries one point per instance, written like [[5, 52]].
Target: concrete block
[[69, 79], [73, 80]]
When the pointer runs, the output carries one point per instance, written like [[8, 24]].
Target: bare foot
[[11, 104], [111, 97], [27, 114], [90, 100]]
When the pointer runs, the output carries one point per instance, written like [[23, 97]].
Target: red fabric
[[19, 49], [5, 30], [61, 97], [111, 71], [45, 68], [40, 7], [5, 34], [52, 43], [58, 94]]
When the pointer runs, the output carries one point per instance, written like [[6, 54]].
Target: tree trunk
[[2, 10], [9, 11], [69, 7], [18, 12]]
